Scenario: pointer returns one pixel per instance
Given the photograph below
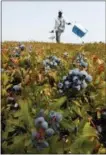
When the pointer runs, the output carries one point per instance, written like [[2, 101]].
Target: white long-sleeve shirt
[[60, 24]]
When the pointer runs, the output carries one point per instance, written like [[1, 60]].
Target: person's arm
[[68, 23]]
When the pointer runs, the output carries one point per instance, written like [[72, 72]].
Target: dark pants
[[58, 34]]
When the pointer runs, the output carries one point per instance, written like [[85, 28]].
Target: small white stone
[[99, 129], [16, 105], [104, 113]]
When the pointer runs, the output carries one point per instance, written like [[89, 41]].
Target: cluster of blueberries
[[51, 62], [81, 60], [45, 128], [16, 53], [11, 101], [15, 89], [76, 80], [17, 50]]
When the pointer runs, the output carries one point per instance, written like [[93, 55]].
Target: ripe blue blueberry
[[83, 64], [51, 63], [52, 114], [88, 78], [58, 117], [55, 64], [84, 84], [39, 121], [75, 78], [58, 61], [22, 47], [44, 125], [78, 82], [16, 87], [47, 61], [75, 71], [49, 132], [67, 84], [83, 74], [60, 85], [54, 57], [70, 77]]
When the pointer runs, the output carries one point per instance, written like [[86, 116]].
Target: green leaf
[[4, 78], [82, 145], [77, 103], [3, 92], [8, 86], [24, 104], [13, 123], [77, 111], [31, 150], [27, 142], [89, 131], [57, 103], [67, 124], [17, 114], [53, 145], [18, 144]]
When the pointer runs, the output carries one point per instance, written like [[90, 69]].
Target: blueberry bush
[[53, 98]]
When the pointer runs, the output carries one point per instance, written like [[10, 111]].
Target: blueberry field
[[53, 98]]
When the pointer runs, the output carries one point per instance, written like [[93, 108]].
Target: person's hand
[[52, 31], [69, 23]]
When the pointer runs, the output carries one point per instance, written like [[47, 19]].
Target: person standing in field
[[59, 26]]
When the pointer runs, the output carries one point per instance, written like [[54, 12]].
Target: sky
[[32, 20]]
